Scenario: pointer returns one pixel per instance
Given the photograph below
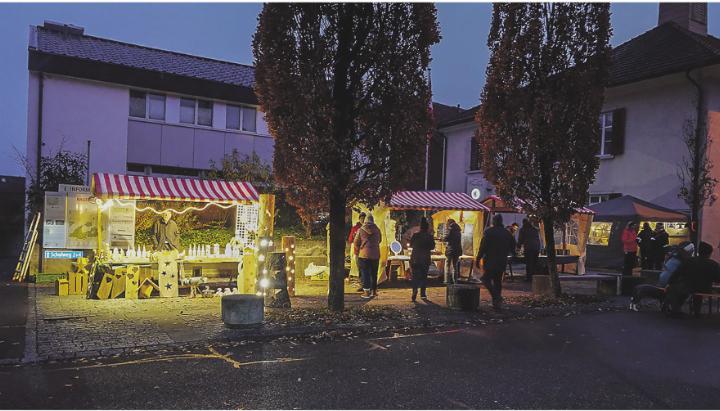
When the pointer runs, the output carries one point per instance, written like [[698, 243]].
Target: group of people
[[683, 275], [651, 243], [497, 244]]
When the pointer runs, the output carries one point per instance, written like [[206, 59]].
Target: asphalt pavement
[[622, 360], [13, 298]]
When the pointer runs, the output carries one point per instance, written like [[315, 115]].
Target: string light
[[104, 205]]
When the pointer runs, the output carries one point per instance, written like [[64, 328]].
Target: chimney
[[691, 16]]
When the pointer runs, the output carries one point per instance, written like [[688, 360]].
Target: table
[[559, 259], [399, 261]]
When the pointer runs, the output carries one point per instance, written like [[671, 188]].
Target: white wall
[[75, 111]]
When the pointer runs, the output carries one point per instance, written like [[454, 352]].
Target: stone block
[[541, 285], [463, 297]]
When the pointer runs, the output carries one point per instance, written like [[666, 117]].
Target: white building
[[135, 109], [652, 93]]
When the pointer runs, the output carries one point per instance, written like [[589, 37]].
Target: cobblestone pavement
[[72, 326]]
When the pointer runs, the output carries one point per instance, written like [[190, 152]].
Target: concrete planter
[[243, 310], [463, 297]]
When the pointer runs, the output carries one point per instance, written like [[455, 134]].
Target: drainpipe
[[695, 209], [38, 159], [444, 164]]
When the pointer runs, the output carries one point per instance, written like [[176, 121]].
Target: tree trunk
[[548, 224], [336, 291]]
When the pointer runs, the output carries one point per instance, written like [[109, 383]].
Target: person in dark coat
[[165, 233], [453, 250], [497, 243], [696, 275], [422, 244], [645, 242], [529, 240], [660, 239]]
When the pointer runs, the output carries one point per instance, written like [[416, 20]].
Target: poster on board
[[121, 227], [54, 220], [82, 230]]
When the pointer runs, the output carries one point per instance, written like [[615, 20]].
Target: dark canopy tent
[[605, 246]]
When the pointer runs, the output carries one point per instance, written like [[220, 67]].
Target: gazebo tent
[[611, 217], [573, 239], [470, 214]]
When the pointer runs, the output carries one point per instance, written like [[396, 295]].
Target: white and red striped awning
[[434, 200], [498, 205], [130, 187]]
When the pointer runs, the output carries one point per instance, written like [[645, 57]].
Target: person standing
[[367, 246], [529, 240], [165, 233], [453, 251], [629, 242], [497, 243], [660, 240], [351, 240], [422, 244], [645, 240]]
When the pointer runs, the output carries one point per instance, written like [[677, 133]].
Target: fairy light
[[105, 205], [288, 244]]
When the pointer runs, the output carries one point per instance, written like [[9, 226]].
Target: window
[[599, 233], [599, 198], [232, 117], [606, 133], [137, 104], [187, 111], [156, 106], [205, 112], [248, 119], [147, 105], [475, 155], [237, 116]]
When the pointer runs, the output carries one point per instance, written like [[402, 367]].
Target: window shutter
[[618, 131]]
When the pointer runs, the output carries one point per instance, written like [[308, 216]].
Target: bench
[[705, 296], [599, 280]]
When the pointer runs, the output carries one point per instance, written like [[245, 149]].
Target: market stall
[[570, 241], [396, 228], [604, 246], [166, 265]]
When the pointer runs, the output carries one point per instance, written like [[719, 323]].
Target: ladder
[[24, 261]]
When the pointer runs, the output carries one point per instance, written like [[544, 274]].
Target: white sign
[[54, 220], [121, 229], [72, 188]]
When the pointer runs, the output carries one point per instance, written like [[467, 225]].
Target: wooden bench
[[598, 279], [705, 296]]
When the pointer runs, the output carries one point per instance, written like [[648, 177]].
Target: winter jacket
[[661, 239], [497, 243], [453, 241], [529, 238], [353, 232], [367, 242], [629, 240], [645, 240], [422, 244], [165, 235]]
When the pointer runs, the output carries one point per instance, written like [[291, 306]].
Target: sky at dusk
[[224, 31]]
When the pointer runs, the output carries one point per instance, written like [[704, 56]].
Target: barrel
[[242, 310]]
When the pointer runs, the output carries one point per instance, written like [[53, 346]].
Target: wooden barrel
[[464, 297]]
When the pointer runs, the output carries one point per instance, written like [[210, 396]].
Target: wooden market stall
[[570, 242], [172, 265], [468, 213]]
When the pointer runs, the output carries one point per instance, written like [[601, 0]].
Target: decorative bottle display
[[216, 250], [144, 252], [228, 250]]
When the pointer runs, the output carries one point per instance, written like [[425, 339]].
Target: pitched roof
[[443, 112], [631, 208], [81, 46], [666, 49]]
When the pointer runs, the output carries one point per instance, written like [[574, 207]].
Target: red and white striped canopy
[[498, 205], [129, 187], [434, 200]]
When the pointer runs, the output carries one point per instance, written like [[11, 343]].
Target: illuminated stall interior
[[605, 245], [121, 200], [400, 218], [570, 240]]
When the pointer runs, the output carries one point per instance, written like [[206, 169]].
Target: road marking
[[396, 335], [168, 358]]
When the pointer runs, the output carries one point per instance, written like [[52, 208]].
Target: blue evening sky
[[224, 31]]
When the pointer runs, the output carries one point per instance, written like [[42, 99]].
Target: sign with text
[[121, 228], [63, 255], [72, 188], [82, 227], [54, 220]]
